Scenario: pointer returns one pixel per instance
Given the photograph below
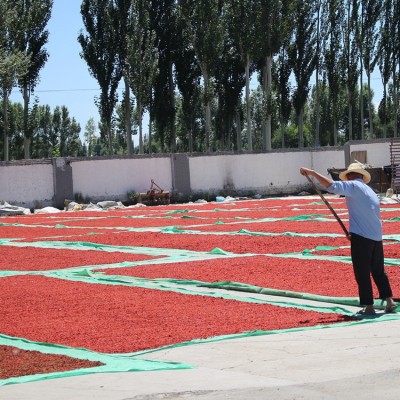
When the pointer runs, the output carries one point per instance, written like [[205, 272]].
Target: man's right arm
[[324, 181]]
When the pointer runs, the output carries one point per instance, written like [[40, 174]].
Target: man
[[365, 229]]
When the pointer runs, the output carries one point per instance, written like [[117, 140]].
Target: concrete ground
[[360, 361]]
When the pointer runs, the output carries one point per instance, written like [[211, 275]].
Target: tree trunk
[[238, 132], [208, 126], [249, 136], [370, 115], [317, 107], [140, 117], [190, 138], [335, 132], [172, 93], [5, 127], [362, 102], [222, 140], [129, 146], [150, 136], [282, 128], [109, 135], [300, 127], [207, 106], [27, 139], [267, 85], [395, 103], [350, 112], [317, 112], [385, 113], [228, 138]]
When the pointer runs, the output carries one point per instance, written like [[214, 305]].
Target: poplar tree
[[90, 135], [282, 70], [69, 134], [124, 14], [385, 52], [142, 58], [48, 142], [368, 40], [242, 24], [303, 58], [333, 66], [351, 54], [188, 76], [395, 34], [317, 141], [32, 36], [16, 131], [274, 29], [13, 64], [384, 62], [230, 80], [163, 20], [100, 49], [203, 26]]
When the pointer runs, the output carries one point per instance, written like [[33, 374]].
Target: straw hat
[[359, 169]]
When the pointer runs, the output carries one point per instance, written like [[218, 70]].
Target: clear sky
[[65, 78]]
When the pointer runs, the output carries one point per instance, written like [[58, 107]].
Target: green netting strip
[[392, 237], [128, 362], [189, 287], [99, 247], [180, 230], [184, 211], [304, 217], [171, 255], [184, 286], [147, 216], [378, 318], [164, 229], [242, 287], [112, 362]]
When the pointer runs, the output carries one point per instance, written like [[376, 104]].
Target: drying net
[[110, 287]]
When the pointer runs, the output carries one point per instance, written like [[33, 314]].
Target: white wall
[[322, 160], [274, 172], [29, 185], [112, 179], [378, 154]]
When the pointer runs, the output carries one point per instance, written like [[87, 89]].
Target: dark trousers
[[367, 257]]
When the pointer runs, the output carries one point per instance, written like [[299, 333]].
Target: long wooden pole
[[329, 206]]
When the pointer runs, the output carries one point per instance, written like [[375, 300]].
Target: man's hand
[[322, 180], [306, 171]]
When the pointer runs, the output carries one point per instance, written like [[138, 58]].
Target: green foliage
[[54, 134], [291, 133], [184, 63], [55, 152], [30, 38], [13, 65]]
